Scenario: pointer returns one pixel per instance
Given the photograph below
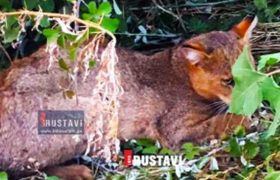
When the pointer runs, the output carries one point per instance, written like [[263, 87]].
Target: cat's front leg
[[203, 131], [218, 126]]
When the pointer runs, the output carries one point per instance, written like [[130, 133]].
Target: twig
[[76, 10], [165, 10], [171, 13], [273, 72], [6, 53], [63, 16], [149, 35], [188, 4]]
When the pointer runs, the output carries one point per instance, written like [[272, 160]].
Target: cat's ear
[[245, 28], [193, 52]]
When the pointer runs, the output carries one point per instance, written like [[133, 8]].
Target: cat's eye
[[228, 82]]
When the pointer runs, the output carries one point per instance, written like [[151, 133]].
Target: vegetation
[[153, 25]]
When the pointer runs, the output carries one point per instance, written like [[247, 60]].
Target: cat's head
[[209, 58]]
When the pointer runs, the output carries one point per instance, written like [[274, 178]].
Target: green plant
[[252, 87], [267, 10], [3, 176]]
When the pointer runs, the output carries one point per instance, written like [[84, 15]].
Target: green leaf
[[269, 59], [92, 63], [82, 38], [275, 124], [3, 176], [234, 147], [271, 93], [87, 16], [240, 131], [247, 94], [70, 37], [6, 5], [10, 34], [52, 178], [145, 142], [260, 4], [251, 150], [71, 1], [11, 21], [190, 150], [11, 29], [47, 5], [110, 24], [45, 22], [30, 4], [165, 151], [150, 150], [51, 35], [92, 7], [104, 9], [61, 41], [63, 65], [273, 176], [252, 99], [72, 52]]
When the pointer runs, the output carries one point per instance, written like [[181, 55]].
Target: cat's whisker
[[222, 108], [214, 105], [218, 107]]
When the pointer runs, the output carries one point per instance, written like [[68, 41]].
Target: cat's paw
[[72, 172]]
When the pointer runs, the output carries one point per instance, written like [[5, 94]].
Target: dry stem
[[57, 15]]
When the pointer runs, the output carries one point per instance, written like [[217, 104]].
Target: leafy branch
[[62, 16]]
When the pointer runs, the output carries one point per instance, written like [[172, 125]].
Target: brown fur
[[168, 96]]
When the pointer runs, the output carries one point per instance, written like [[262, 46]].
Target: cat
[[192, 85], [180, 94]]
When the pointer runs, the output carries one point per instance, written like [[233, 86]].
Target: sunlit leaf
[[61, 41], [190, 150], [247, 94], [51, 35], [45, 22], [3, 176], [145, 142], [239, 131], [110, 24], [269, 59], [273, 176], [92, 7], [150, 150], [104, 9]]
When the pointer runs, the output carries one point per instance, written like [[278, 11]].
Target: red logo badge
[[128, 157], [42, 119]]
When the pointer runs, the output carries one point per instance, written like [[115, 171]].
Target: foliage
[[14, 31], [267, 9], [254, 155], [3, 176], [141, 25], [252, 87]]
